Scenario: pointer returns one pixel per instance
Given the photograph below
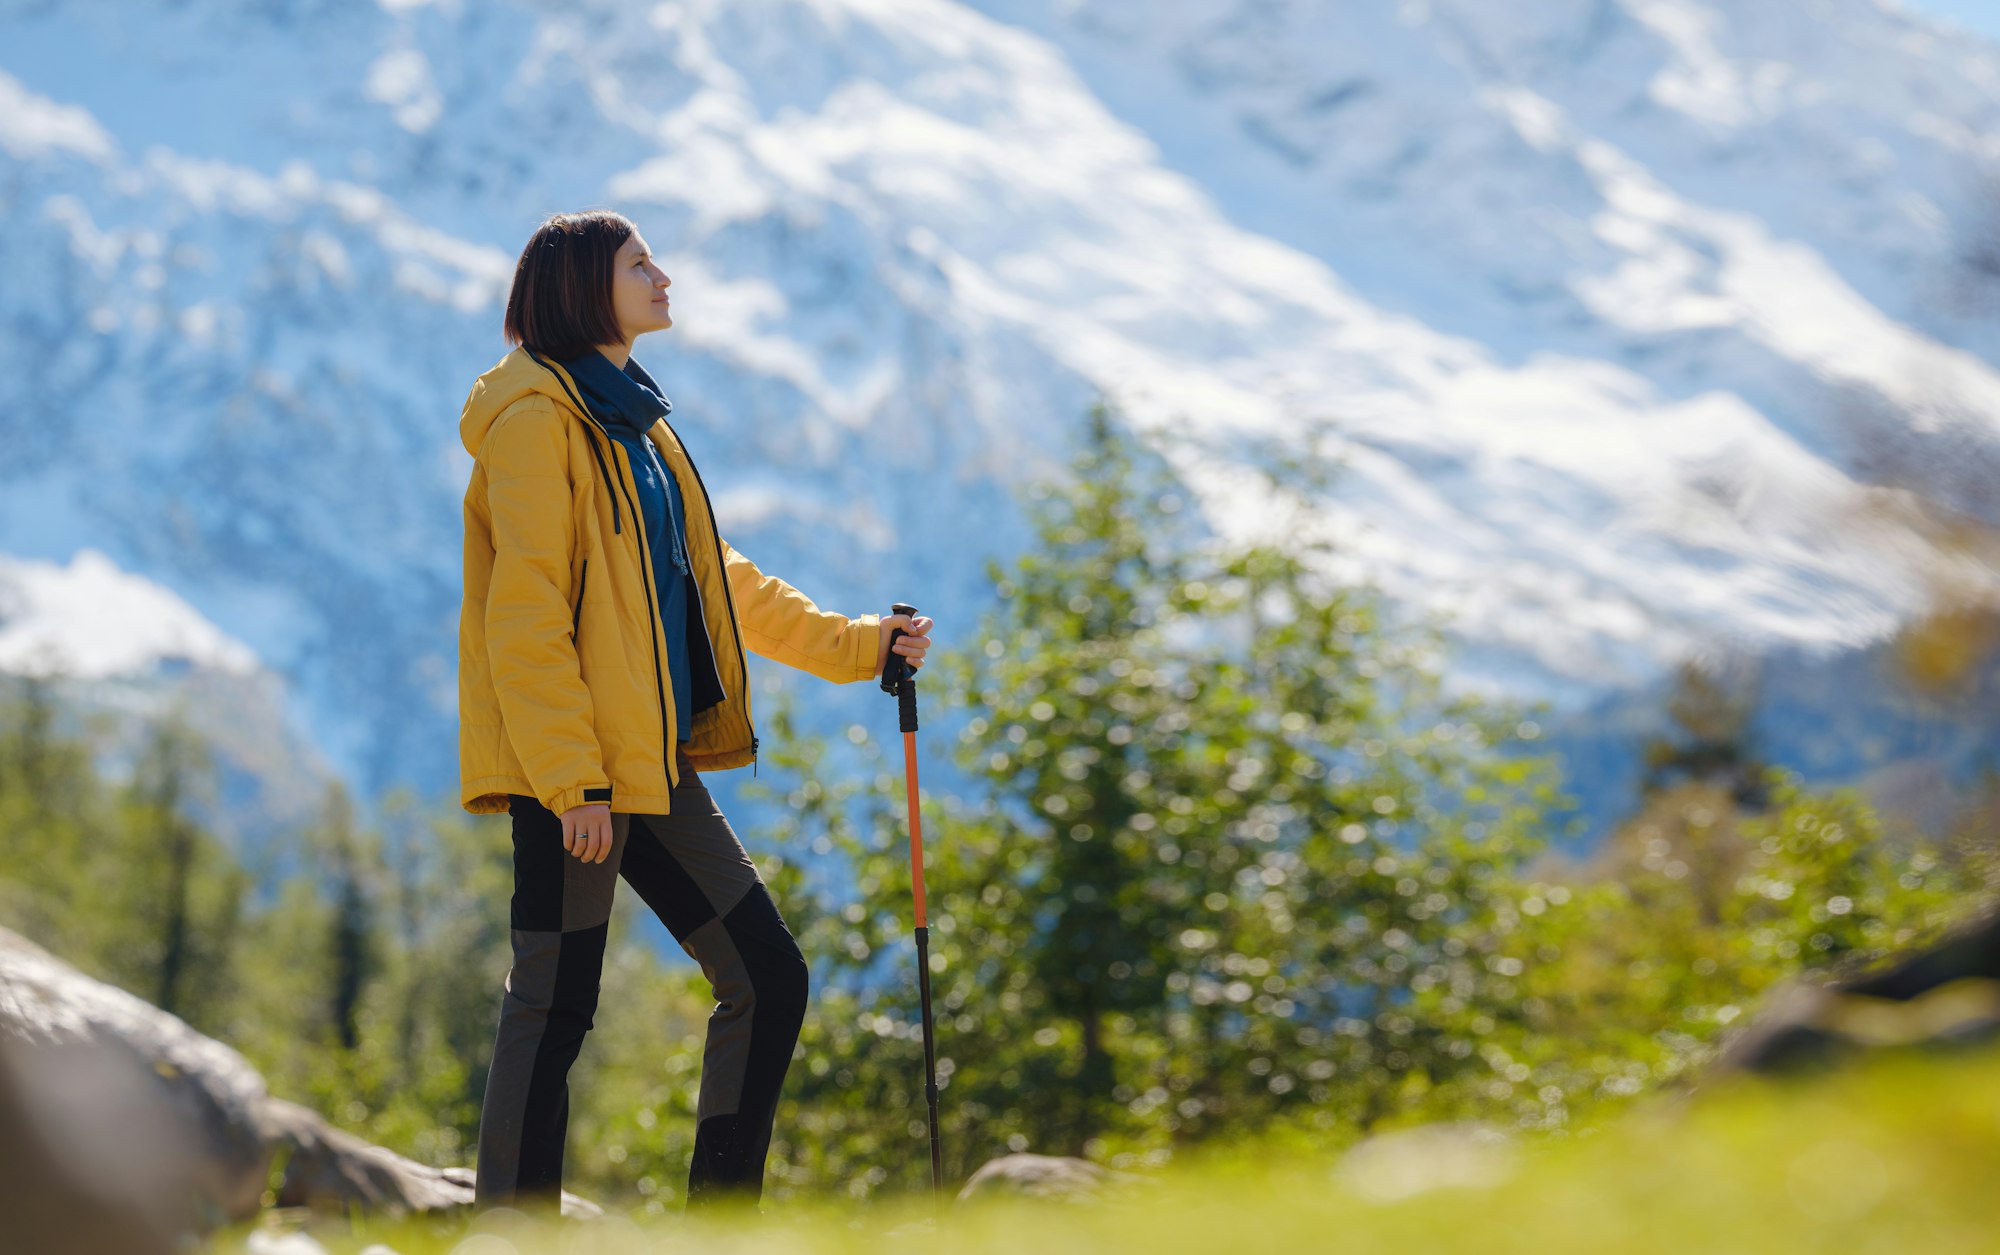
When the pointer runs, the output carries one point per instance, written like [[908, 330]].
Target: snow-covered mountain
[[91, 621], [126, 655], [1640, 325]]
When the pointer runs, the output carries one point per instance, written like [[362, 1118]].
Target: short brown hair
[[560, 305]]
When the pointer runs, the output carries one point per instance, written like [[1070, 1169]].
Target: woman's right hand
[[587, 831]]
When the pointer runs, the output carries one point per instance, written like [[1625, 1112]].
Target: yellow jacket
[[562, 675]]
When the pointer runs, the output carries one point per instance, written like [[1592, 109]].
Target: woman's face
[[639, 290]]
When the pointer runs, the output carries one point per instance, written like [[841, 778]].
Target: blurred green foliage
[[1240, 867], [1236, 867]]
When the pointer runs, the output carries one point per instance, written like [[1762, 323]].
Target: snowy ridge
[[91, 620], [127, 654], [1625, 318]]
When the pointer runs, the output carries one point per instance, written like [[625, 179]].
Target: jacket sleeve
[[543, 700], [783, 624]]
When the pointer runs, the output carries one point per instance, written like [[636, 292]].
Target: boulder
[[116, 1116], [1400, 1163], [1943, 995], [1055, 1177]]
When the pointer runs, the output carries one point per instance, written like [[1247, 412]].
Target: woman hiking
[[601, 668]]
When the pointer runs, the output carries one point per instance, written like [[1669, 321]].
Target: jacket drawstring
[[602, 469]]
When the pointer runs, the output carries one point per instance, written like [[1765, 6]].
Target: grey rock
[[265, 1242], [573, 1206], [1054, 1177], [1404, 1162], [66, 1192], [1944, 995], [107, 1096]]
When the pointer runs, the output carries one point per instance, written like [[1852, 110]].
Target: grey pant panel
[[547, 1008], [697, 834], [706, 850], [528, 991], [699, 837], [726, 1056], [589, 888]]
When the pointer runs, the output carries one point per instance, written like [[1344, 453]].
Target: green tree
[[1228, 820], [173, 905], [1711, 705], [52, 806], [348, 861], [1238, 866]]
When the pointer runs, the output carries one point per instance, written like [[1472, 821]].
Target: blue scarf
[[630, 398]]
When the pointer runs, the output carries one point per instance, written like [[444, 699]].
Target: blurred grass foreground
[[1896, 1153]]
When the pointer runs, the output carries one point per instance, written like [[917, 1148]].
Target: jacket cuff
[[581, 795], [865, 640]]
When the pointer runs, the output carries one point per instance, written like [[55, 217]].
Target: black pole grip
[[897, 668], [898, 676]]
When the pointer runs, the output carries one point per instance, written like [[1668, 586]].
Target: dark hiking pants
[[691, 870]]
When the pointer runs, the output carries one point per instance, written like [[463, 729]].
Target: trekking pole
[[899, 677]]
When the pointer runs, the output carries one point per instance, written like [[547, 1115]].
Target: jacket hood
[[514, 376]]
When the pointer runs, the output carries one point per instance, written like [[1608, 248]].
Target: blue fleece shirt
[[628, 402]]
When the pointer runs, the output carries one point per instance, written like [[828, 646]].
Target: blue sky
[[1979, 15]]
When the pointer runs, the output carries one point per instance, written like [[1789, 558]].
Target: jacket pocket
[[576, 616]]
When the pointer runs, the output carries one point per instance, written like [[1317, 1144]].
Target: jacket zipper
[[645, 571], [714, 667], [700, 604], [728, 597], [576, 619], [652, 617]]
